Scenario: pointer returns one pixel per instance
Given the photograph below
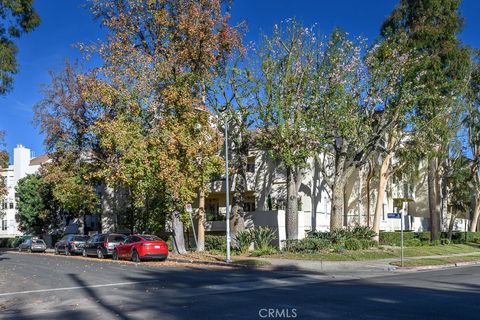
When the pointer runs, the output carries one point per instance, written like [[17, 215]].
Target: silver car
[[33, 245]]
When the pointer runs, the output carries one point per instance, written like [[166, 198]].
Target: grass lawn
[[436, 261], [379, 253]]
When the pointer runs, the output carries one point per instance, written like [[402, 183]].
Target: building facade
[[24, 163]]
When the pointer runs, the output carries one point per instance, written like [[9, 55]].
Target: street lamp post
[[227, 188]]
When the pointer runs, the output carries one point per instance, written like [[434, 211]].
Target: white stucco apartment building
[[23, 164]]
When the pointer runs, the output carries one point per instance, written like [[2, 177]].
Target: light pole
[[227, 188]]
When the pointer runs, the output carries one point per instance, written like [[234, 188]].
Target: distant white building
[[23, 164]]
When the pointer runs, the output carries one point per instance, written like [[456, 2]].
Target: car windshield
[[116, 238], [80, 238], [151, 238], [38, 241]]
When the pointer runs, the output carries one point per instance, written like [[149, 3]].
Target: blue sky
[[66, 22]]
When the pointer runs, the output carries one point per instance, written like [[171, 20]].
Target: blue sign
[[394, 215]]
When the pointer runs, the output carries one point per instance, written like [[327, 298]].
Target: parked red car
[[141, 247]]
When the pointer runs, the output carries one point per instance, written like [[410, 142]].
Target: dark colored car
[[102, 245], [33, 245], [70, 244], [141, 247]]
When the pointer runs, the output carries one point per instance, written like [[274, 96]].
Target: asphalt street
[[35, 286]]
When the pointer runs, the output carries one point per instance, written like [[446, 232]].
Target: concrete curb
[[210, 263], [438, 267]]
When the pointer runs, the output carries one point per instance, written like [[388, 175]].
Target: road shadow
[[221, 293]]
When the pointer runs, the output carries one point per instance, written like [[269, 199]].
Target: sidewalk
[[365, 267]]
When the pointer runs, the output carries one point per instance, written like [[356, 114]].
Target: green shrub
[[367, 244], [424, 236], [263, 252], [394, 238], [476, 240], [215, 243], [339, 248], [435, 243], [353, 244], [243, 239], [362, 233], [263, 236], [445, 241], [170, 243], [309, 244], [413, 243], [339, 236]]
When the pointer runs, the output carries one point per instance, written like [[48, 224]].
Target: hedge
[[215, 243], [394, 238]]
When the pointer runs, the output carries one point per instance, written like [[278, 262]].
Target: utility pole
[[227, 188]]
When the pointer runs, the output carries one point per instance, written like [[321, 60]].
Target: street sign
[[188, 208], [394, 215]]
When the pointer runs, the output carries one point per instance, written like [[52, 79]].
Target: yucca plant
[[243, 240], [263, 236]]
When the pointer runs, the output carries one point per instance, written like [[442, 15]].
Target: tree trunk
[[201, 221], [291, 214], [178, 236], [476, 214], [451, 224], [238, 224], [338, 193], [382, 185], [367, 187], [433, 203]]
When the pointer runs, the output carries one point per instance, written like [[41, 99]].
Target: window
[[135, 239], [11, 205], [251, 164], [116, 238], [151, 238], [249, 206], [212, 209], [80, 238], [4, 225]]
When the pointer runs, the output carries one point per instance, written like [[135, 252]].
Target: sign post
[[401, 238], [399, 215]]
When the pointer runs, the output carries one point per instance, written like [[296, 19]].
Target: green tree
[[432, 27], [38, 210], [159, 59], [393, 86], [460, 184], [472, 123], [65, 117], [16, 17], [344, 114], [283, 93]]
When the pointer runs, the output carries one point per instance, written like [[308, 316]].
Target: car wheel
[[84, 253], [56, 251], [100, 254], [135, 257], [67, 252], [115, 255]]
